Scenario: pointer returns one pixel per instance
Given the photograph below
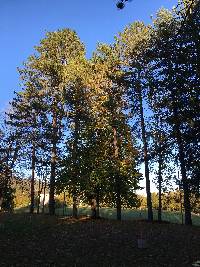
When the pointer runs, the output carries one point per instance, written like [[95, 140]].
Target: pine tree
[[50, 65]]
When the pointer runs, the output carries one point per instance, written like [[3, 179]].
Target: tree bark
[[33, 180], [39, 192], [98, 201], [181, 154], [75, 209], [64, 203], [75, 163], [187, 205], [146, 159], [160, 184], [53, 165], [44, 192], [118, 203], [117, 178]]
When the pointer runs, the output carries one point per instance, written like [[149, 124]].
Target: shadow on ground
[[43, 240]]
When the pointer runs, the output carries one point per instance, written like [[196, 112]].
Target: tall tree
[[9, 149], [50, 65], [123, 153], [161, 156], [175, 76], [132, 45]]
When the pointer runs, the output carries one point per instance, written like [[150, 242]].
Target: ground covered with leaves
[[41, 240]]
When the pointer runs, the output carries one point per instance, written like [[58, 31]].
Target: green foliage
[[86, 120], [22, 192], [172, 201], [8, 199]]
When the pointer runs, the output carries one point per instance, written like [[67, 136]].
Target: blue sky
[[24, 22]]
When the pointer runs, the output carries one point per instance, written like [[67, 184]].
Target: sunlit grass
[[128, 214], [110, 213]]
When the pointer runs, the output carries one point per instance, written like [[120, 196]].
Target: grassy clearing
[[41, 240], [110, 213]]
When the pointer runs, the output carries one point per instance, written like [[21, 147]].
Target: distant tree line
[[90, 123], [171, 201]]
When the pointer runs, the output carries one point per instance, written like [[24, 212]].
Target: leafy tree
[[122, 156], [176, 79], [190, 31], [50, 65], [77, 98], [99, 171], [27, 116], [132, 45], [9, 148]]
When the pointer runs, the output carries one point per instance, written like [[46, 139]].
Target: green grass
[[128, 214]]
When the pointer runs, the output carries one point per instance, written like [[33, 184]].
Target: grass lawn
[[110, 213], [41, 240]]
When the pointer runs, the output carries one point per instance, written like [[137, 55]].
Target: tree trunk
[[181, 154], [146, 159], [53, 165], [98, 200], [44, 192], [75, 209], [33, 180], [75, 163], [187, 206], [39, 192], [117, 178], [119, 206], [64, 203], [160, 184]]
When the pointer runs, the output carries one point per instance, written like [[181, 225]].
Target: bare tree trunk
[[146, 158], [53, 166], [119, 205], [187, 206], [39, 192], [94, 208], [75, 209], [64, 203], [33, 180], [181, 154], [98, 200], [44, 192], [75, 163], [160, 184], [117, 178]]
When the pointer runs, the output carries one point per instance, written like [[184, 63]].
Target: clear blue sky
[[24, 22]]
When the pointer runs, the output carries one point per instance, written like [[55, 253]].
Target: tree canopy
[[91, 123]]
